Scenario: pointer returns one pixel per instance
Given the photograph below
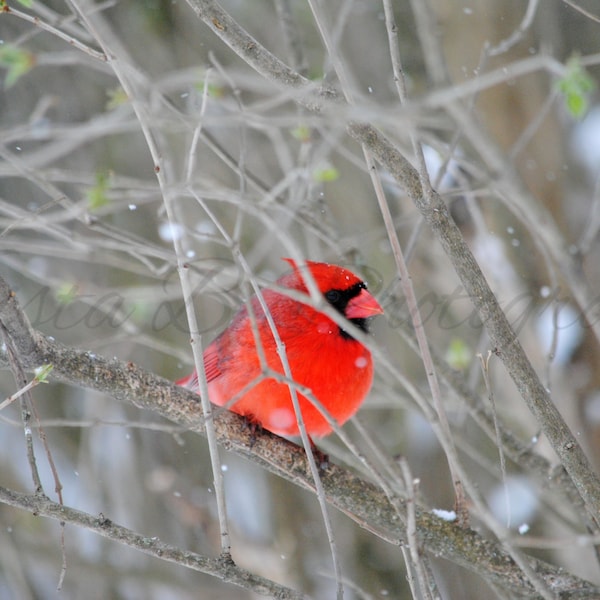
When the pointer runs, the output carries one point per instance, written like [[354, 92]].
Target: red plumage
[[322, 357]]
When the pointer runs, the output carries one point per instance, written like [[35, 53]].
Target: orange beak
[[363, 306]]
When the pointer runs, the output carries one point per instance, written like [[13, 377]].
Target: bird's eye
[[332, 296]]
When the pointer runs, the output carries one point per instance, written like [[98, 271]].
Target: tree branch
[[360, 500], [222, 569], [312, 95], [504, 340]]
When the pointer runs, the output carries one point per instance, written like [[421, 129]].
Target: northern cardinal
[[322, 356]]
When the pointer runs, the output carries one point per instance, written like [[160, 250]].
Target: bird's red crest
[[327, 276]]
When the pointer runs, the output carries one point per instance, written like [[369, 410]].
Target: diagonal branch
[[504, 340], [311, 95], [359, 499], [224, 570]]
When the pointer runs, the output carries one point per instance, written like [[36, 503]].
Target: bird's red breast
[[323, 357]]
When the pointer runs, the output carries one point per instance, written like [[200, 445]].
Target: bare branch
[[505, 343], [360, 500], [222, 569]]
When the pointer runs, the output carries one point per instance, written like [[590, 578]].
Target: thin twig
[[427, 584], [517, 35], [25, 401], [582, 10], [72, 41], [405, 279], [485, 369]]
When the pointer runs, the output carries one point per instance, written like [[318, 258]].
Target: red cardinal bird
[[322, 356]]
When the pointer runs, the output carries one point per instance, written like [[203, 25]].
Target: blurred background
[[86, 244]]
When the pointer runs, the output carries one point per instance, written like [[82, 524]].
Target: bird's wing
[[211, 362]]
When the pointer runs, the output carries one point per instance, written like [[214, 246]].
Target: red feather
[[324, 358]]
